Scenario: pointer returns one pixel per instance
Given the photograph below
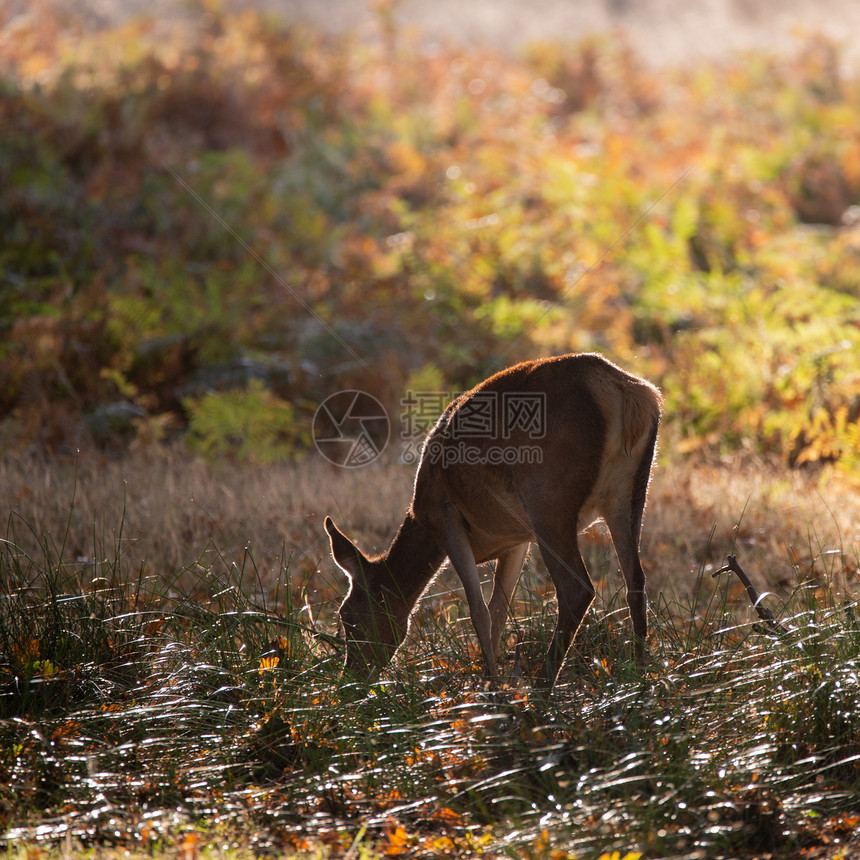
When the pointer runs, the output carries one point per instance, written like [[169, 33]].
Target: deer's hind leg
[[625, 539], [574, 590], [624, 520]]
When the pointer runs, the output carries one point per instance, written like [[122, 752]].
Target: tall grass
[[136, 710]]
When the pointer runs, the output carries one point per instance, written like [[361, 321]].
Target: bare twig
[[755, 598]]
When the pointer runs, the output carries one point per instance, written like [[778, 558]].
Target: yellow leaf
[[405, 158], [268, 663], [443, 844]]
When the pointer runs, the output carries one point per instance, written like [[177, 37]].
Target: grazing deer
[[535, 453]]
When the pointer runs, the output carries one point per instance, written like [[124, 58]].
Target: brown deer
[[535, 453]]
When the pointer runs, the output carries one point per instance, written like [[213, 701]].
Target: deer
[[533, 454]]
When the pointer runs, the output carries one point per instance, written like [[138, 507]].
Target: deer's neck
[[410, 563]]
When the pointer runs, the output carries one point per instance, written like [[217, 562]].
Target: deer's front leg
[[508, 569], [455, 541]]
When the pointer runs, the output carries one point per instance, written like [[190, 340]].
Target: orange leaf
[[398, 842]]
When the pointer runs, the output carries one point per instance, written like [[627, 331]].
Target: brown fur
[[595, 454]]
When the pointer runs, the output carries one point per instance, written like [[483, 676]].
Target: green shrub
[[250, 425]]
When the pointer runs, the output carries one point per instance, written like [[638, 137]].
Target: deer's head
[[373, 623]]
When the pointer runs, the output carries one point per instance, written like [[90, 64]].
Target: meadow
[[208, 228]]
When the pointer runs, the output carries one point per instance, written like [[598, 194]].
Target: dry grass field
[[168, 512], [166, 691]]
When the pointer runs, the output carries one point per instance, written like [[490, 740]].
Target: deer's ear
[[346, 554]]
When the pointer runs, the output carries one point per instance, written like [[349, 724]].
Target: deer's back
[[589, 432]]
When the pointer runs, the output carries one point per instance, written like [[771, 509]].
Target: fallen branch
[[763, 612]]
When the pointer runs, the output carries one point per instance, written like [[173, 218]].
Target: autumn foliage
[[228, 218]]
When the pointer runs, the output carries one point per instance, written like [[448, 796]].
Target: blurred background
[[662, 31]]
